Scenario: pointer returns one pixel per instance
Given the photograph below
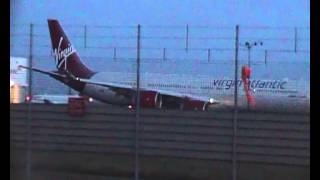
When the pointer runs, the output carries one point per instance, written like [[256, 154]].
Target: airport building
[[18, 80]]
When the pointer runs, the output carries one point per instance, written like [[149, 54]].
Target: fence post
[[209, 54], [235, 114], [29, 135], [114, 53], [136, 169], [265, 56], [187, 38], [295, 39], [85, 36]]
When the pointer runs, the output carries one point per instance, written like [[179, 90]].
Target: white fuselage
[[220, 88]]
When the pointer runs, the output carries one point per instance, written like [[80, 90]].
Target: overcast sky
[[274, 13], [164, 12]]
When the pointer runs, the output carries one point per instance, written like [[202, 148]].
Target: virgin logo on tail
[[60, 56]]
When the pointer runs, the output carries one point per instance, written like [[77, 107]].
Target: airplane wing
[[57, 75], [121, 87]]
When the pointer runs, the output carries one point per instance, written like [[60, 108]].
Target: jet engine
[[194, 105], [150, 99]]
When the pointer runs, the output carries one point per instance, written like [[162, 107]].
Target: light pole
[[249, 46]]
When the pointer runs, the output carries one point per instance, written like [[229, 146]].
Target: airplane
[[156, 90]]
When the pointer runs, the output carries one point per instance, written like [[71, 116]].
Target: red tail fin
[[65, 55]]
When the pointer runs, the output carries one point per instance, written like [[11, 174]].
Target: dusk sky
[[162, 12], [281, 16]]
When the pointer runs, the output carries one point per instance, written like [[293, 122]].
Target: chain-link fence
[[196, 60], [195, 50]]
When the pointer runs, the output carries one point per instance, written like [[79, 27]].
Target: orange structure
[[246, 72]]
